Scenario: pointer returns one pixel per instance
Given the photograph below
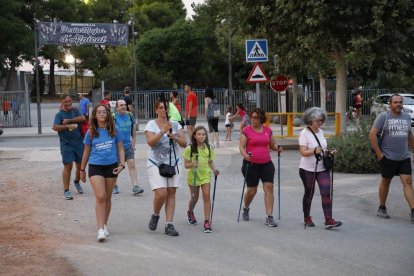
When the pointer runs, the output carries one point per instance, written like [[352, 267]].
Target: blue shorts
[[129, 153], [71, 153]]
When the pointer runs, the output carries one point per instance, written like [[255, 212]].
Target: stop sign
[[280, 83]]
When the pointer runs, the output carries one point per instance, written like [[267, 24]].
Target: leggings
[[324, 183]]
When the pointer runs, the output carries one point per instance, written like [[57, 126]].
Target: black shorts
[[256, 172], [213, 124], [103, 170], [390, 168]]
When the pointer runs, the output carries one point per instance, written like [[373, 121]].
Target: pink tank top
[[258, 144]]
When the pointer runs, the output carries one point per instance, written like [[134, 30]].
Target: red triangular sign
[[257, 74]]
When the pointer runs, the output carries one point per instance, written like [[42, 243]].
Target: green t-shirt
[[173, 113], [203, 169]]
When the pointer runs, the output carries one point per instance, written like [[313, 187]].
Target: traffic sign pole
[[257, 94]]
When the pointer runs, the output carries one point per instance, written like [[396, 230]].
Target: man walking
[[71, 144], [393, 153], [125, 122], [191, 112], [128, 100], [84, 105]]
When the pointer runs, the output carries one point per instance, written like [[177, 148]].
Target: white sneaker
[[101, 235], [106, 232]]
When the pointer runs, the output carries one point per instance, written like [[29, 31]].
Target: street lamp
[[131, 23], [70, 59], [229, 62]]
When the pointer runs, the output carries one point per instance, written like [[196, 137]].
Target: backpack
[[131, 118], [213, 109]]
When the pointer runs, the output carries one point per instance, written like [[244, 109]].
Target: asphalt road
[[364, 245]]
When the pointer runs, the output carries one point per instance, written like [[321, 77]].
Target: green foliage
[[354, 151]]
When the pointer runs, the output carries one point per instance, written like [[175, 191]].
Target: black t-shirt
[[128, 101]]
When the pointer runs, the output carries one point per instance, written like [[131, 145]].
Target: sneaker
[[115, 190], [170, 230], [217, 145], [101, 235], [382, 213], [106, 231], [309, 222], [245, 215], [152, 225], [78, 187], [331, 223], [191, 218], [68, 195], [207, 227], [137, 190], [270, 222]]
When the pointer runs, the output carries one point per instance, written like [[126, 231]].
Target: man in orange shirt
[[191, 105]]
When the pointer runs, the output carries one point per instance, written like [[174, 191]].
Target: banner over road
[[63, 33]]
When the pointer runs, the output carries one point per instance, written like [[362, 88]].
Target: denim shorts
[[129, 153]]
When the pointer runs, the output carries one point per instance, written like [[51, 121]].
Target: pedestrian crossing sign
[[256, 50]]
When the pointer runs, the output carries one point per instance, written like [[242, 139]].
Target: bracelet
[[82, 170], [123, 166]]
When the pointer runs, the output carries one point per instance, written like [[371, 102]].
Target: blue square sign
[[256, 50]]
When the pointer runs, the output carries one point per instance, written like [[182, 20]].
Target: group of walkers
[[109, 144]]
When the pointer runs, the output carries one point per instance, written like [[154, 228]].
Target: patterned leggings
[[324, 183]]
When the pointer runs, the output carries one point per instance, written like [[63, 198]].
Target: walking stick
[[278, 178], [244, 185], [332, 173], [194, 185], [214, 196]]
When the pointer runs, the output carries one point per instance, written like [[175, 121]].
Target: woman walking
[[209, 102], [311, 169], [164, 137], [103, 150], [255, 144]]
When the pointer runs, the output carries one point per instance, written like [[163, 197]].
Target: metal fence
[[15, 109]]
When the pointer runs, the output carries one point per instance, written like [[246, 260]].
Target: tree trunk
[[341, 89], [52, 87], [322, 81], [295, 93]]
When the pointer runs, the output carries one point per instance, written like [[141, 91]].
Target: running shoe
[[137, 190], [245, 215], [78, 186], [309, 222], [101, 235], [68, 195], [207, 227], [170, 230], [191, 218], [106, 231], [382, 213], [152, 225], [331, 223], [115, 190], [270, 221]]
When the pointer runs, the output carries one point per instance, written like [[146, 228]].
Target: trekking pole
[[194, 185], [332, 173], [244, 185], [278, 178], [317, 156], [214, 196]]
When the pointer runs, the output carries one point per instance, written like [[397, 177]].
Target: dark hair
[[159, 101], [261, 113], [240, 105], [174, 93], [194, 147], [107, 92], [229, 109], [93, 122], [209, 93], [394, 95], [127, 90]]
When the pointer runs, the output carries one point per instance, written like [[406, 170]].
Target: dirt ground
[[27, 247]]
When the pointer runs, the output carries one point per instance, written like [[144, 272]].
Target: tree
[[369, 31]]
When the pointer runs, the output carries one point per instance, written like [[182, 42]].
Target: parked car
[[381, 103]]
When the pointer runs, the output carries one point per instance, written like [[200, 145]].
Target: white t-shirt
[[227, 122], [160, 153], [307, 139]]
